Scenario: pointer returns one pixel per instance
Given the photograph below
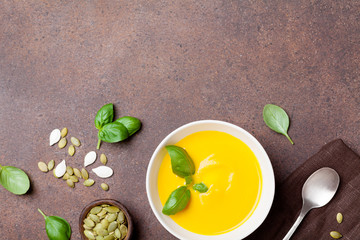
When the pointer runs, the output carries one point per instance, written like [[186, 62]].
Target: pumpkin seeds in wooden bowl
[[105, 219]]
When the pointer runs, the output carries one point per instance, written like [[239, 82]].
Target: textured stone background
[[167, 63]]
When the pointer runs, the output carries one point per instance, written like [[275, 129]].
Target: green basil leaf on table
[[177, 201], [200, 187], [104, 116], [188, 180], [132, 124], [14, 180], [181, 163], [116, 131], [56, 227], [276, 118], [112, 132]]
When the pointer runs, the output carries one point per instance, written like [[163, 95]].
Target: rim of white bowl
[[262, 209]]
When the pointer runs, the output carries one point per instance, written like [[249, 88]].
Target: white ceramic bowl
[[268, 184]]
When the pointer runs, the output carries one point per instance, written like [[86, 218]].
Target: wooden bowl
[[111, 202]]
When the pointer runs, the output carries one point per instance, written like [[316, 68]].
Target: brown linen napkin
[[320, 221]]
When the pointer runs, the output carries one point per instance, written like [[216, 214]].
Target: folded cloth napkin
[[320, 221]]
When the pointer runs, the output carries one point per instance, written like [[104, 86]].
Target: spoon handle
[[296, 224]]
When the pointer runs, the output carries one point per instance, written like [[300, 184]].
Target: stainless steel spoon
[[317, 191]]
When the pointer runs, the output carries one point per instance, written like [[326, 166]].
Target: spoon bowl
[[320, 187], [317, 191]]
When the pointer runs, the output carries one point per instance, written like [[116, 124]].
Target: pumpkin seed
[[95, 210], [89, 234], [94, 217], [77, 172], [60, 169], [89, 182], [62, 143], [88, 222], [117, 233], [335, 234], [75, 141], [339, 218], [102, 213], [51, 165], [111, 217], [86, 227], [84, 173], [112, 209], [103, 171], [55, 136], [64, 132], [43, 167], [105, 205], [105, 223], [71, 150], [112, 226], [97, 227], [69, 170], [103, 232], [74, 179], [99, 238], [103, 159], [70, 183], [66, 176], [89, 158], [123, 230], [109, 237], [104, 186], [121, 217]]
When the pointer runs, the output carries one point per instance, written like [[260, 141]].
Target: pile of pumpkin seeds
[[105, 222], [72, 175], [59, 137]]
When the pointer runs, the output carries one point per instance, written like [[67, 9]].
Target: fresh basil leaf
[[113, 132], [14, 180], [104, 116], [132, 124], [200, 187], [188, 180], [276, 118], [56, 227], [177, 201], [181, 163]]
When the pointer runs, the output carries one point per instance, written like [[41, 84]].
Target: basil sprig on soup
[[183, 166]]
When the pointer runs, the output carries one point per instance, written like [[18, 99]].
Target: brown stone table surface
[[167, 63]]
